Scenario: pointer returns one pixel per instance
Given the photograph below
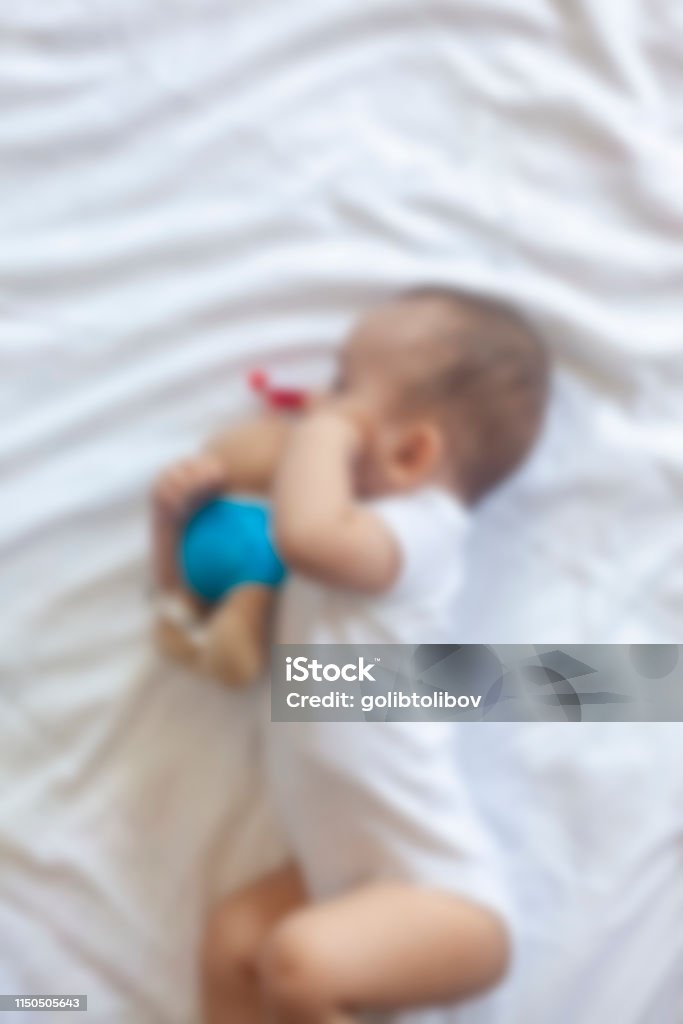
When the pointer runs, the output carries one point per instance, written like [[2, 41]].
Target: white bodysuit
[[585, 820], [362, 801]]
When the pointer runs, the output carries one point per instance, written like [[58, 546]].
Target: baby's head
[[453, 387]]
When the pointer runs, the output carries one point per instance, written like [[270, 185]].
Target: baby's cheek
[[370, 475], [362, 476]]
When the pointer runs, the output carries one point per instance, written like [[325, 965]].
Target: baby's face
[[377, 364]]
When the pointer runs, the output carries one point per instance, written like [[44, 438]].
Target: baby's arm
[[243, 459], [385, 946], [250, 452], [320, 527], [177, 493]]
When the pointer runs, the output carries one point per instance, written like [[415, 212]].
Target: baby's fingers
[[186, 485], [209, 475], [173, 488]]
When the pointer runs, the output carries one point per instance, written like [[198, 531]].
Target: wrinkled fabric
[[190, 189]]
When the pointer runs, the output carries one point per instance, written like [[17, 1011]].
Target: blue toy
[[226, 545], [227, 559]]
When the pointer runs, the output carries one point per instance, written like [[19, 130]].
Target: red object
[[276, 398]]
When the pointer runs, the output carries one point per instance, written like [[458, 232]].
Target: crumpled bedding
[[189, 190]]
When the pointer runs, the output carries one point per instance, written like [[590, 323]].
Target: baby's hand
[[189, 484], [349, 412]]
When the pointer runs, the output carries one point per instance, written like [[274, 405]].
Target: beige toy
[[215, 563], [229, 643]]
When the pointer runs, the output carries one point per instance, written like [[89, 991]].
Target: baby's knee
[[294, 974], [231, 941]]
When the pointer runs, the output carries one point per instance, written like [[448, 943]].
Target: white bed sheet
[[189, 188]]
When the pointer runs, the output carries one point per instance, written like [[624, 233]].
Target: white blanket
[[190, 188]]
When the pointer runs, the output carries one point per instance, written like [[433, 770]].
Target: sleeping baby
[[391, 899]]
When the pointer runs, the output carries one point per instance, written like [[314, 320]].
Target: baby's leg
[[233, 944], [384, 947]]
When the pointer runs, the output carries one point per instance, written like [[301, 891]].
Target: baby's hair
[[490, 366]]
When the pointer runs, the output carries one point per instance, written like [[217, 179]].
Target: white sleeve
[[429, 528]]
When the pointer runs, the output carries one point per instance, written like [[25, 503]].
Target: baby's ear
[[420, 449]]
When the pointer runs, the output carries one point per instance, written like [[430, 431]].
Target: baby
[[391, 899]]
